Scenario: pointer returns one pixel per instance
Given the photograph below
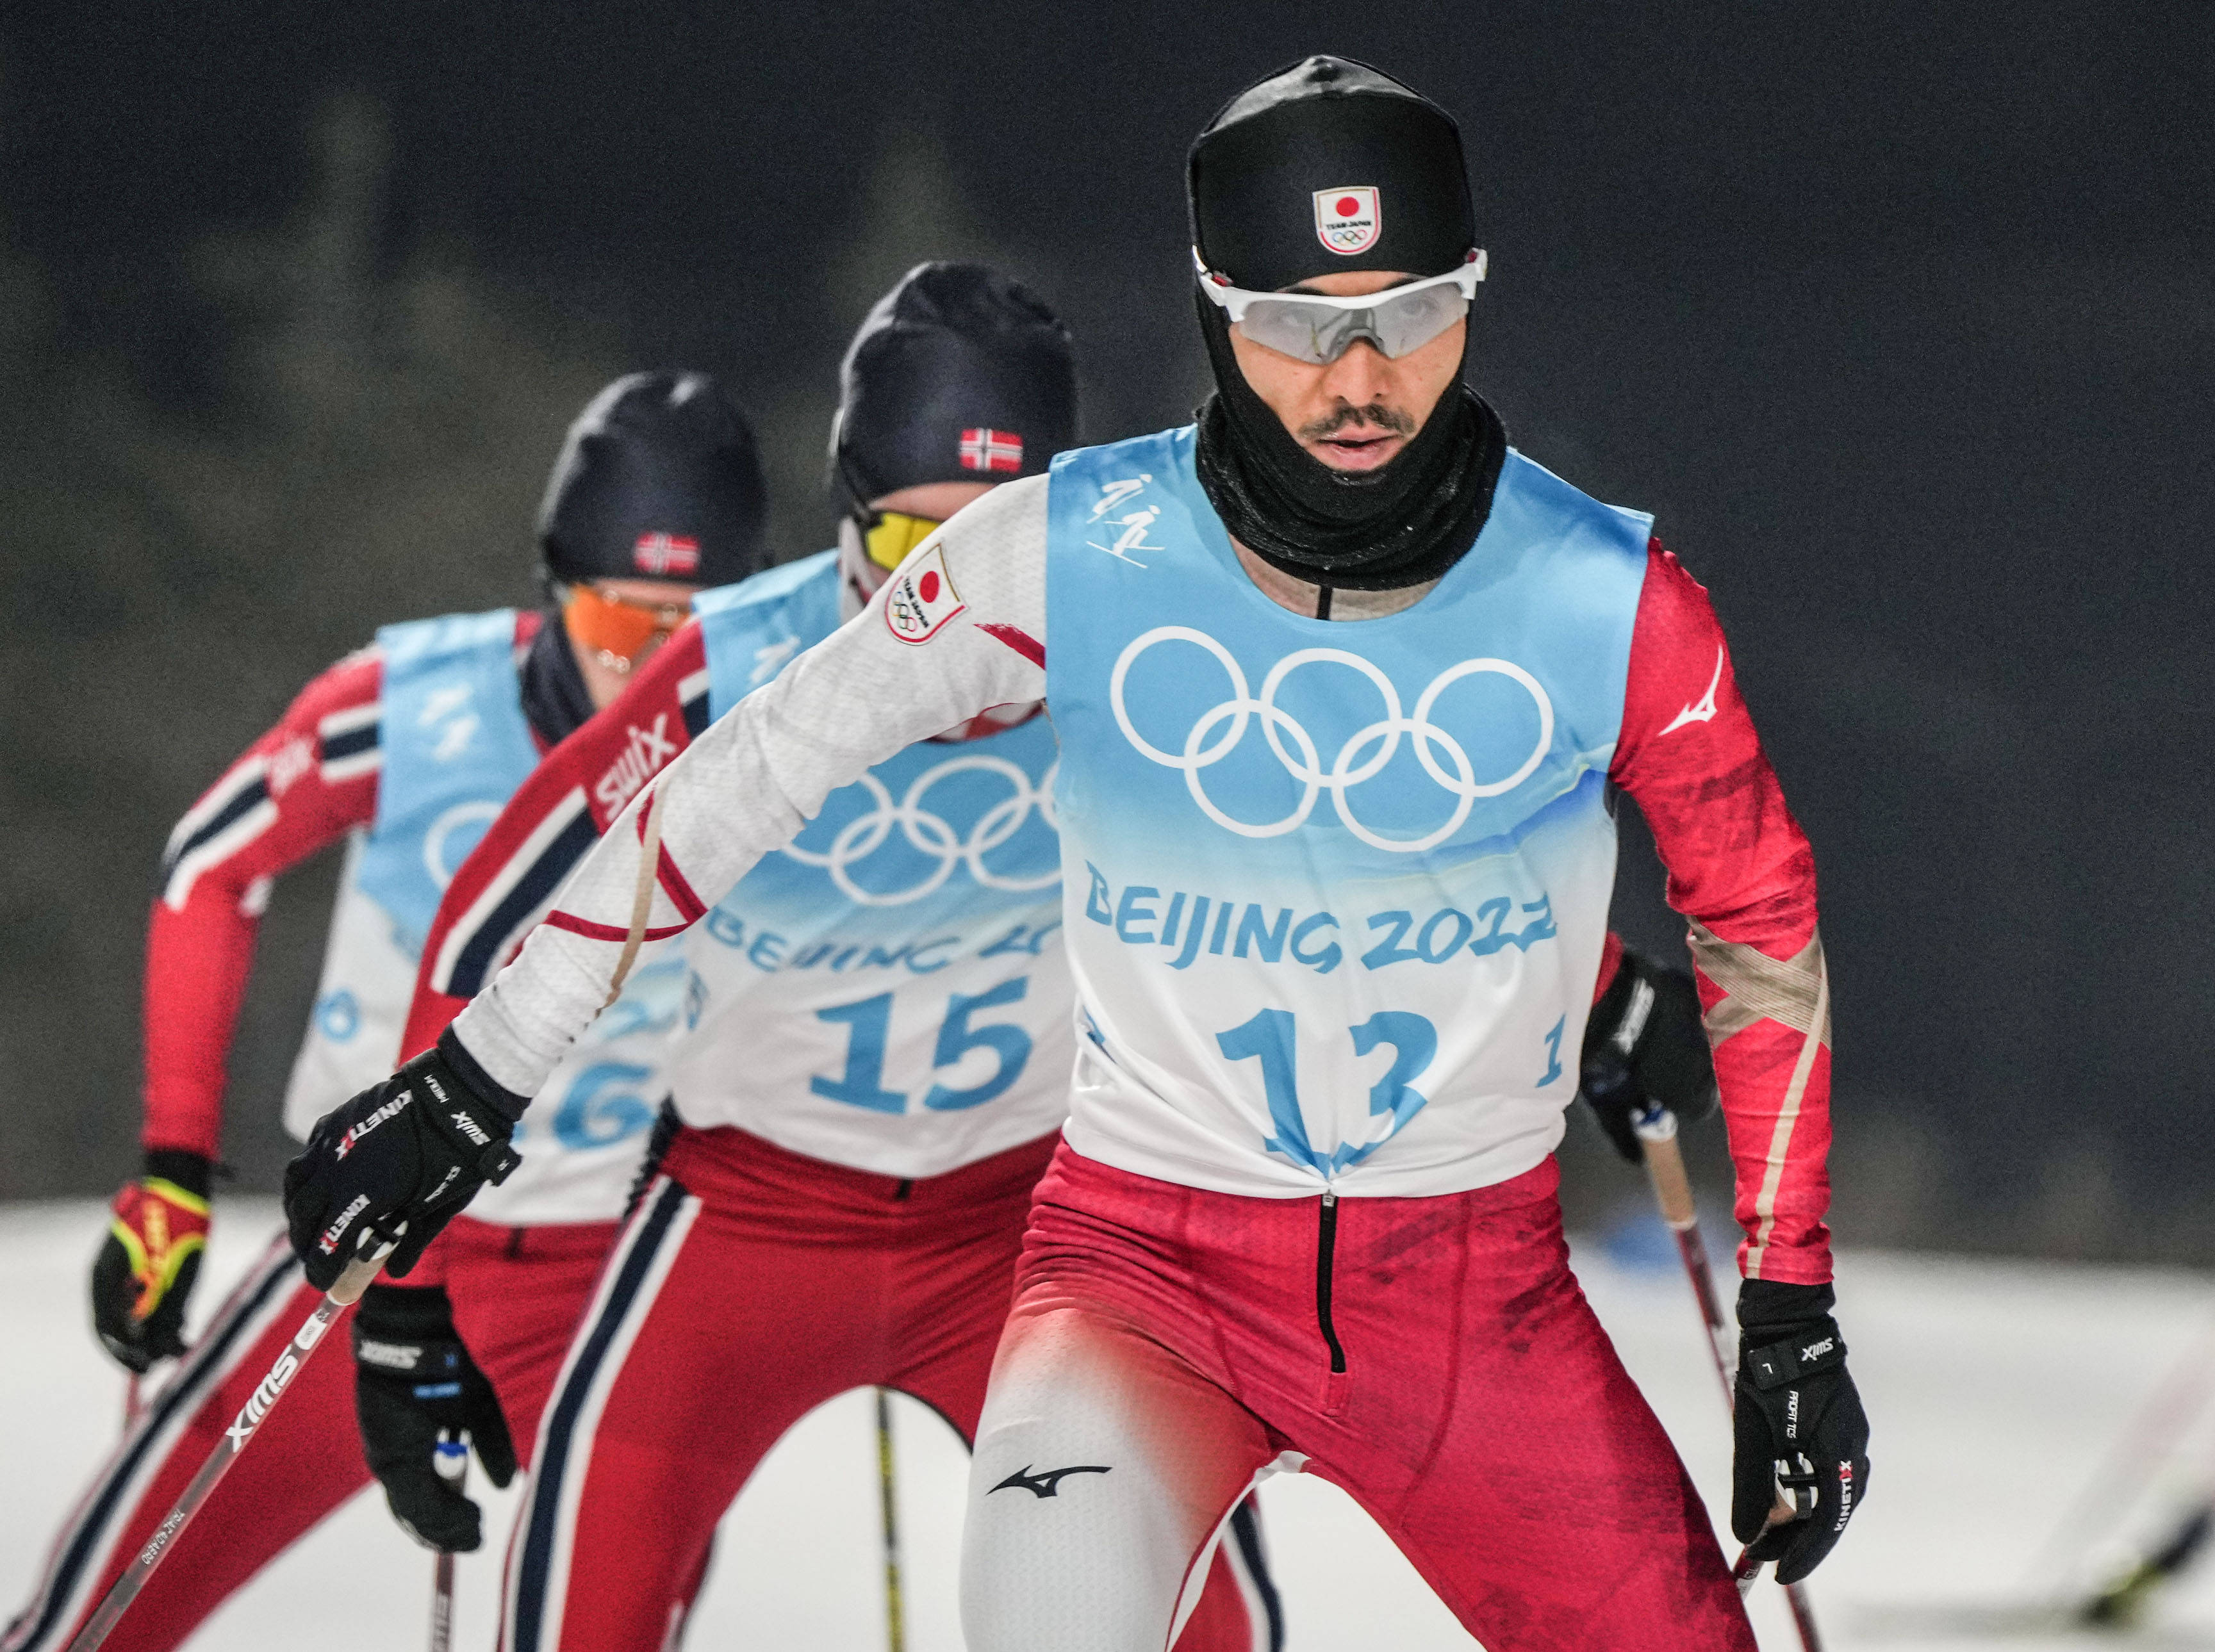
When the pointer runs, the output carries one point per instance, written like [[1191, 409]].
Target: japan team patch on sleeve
[[920, 598]]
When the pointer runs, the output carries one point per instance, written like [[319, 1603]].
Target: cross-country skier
[[406, 750], [1336, 734], [878, 1044]]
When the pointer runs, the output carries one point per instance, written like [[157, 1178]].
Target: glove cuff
[[407, 1331], [182, 1169], [406, 1313], [1770, 1310], [477, 1128], [1808, 1354], [481, 1085]]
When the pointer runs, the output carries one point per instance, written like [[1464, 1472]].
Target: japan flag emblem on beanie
[[1348, 221]]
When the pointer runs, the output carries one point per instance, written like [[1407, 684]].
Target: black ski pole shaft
[[343, 1295], [1672, 1190], [887, 1492]]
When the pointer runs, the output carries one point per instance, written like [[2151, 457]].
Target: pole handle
[[1673, 1184], [361, 1273]]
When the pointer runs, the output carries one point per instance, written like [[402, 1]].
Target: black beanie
[[658, 478], [1329, 165], [958, 375]]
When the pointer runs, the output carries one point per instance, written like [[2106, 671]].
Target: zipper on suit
[[1326, 1243]]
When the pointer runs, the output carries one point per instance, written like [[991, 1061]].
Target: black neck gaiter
[[1377, 530], [555, 700]]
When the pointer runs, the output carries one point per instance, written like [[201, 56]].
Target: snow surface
[[1995, 1390]]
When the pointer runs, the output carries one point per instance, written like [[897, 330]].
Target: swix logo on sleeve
[[666, 554], [990, 450], [469, 1128], [390, 1110], [289, 760], [643, 755], [1816, 1351], [920, 598], [1348, 220]]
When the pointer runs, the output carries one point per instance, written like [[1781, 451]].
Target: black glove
[[1645, 1044], [143, 1277], [413, 1149], [413, 1381], [1798, 1419]]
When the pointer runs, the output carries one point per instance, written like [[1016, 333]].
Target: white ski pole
[[887, 1490], [452, 1461], [2168, 1413], [343, 1295], [1656, 1127]]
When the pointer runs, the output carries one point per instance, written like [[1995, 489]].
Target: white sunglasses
[[1309, 328]]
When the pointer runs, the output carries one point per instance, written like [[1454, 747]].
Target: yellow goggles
[[888, 536]]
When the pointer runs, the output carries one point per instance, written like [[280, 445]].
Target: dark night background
[[1899, 316]]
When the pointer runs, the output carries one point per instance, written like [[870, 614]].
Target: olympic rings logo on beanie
[[1348, 220]]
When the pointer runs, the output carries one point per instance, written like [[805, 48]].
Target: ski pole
[[2120, 1604], [895, 1625], [1656, 1128], [341, 1296], [131, 1404], [451, 1460], [2168, 1414]]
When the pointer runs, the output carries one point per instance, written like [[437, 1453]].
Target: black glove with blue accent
[[411, 1151], [415, 1383], [1799, 1424], [1645, 1045]]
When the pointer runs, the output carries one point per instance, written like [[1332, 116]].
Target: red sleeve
[[1740, 869], [301, 786], [507, 884]]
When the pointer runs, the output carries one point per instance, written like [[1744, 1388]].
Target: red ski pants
[[750, 1285], [517, 1292], [1433, 1356]]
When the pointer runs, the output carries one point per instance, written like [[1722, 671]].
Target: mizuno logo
[[1701, 710], [1048, 1483]]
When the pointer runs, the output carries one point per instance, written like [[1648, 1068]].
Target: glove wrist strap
[[1821, 1349]]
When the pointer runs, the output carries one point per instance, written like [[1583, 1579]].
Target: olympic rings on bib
[[932, 834], [1364, 754]]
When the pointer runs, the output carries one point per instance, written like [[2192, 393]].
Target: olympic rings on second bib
[[932, 834], [1363, 756]]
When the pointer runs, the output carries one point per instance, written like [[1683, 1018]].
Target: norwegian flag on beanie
[[982, 449]]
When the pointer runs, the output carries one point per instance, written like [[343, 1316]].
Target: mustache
[[1390, 420]]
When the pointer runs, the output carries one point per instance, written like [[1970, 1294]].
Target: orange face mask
[[615, 631]]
